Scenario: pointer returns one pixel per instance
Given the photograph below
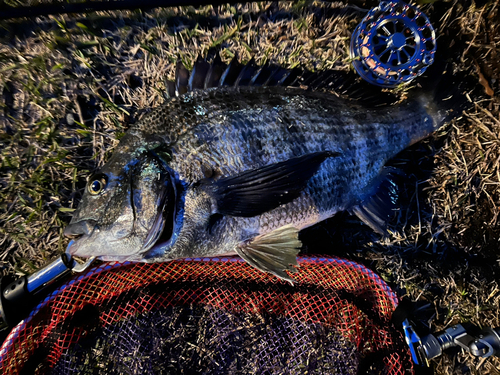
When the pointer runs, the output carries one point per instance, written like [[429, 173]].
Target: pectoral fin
[[274, 252], [260, 190]]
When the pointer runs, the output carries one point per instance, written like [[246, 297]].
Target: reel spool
[[393, 44]]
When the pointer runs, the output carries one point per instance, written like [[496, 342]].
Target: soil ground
[[72, 84]]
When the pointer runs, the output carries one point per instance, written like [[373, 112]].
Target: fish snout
[[80, 228]]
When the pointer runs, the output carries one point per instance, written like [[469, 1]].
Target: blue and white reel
[[393, 44]]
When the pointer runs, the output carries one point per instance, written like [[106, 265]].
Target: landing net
[[217, 316]]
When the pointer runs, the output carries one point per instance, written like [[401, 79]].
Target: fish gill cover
[[72, 85]]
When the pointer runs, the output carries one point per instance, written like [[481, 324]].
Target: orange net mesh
[[212, 316]]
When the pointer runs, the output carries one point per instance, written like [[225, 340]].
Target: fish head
[[128, 206]]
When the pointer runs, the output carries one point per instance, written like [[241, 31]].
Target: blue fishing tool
[[393, 44], [19, 296], [480, 343]]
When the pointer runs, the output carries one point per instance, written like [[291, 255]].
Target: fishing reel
[[393, 44]]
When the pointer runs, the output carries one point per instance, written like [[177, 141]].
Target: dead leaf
[[483, 81]]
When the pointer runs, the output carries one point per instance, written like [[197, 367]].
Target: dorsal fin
[[248, 71], [170, 89], [198, 74], [214, 74], [181, 79], [231, 73], [348, 85], [262, 75], [217, 74]]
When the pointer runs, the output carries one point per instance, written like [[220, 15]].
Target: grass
[[71, 85]]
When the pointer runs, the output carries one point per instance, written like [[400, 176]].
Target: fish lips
[[78, 232], [80, 228]]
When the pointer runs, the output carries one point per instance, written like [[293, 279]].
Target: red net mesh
[[212, 316]]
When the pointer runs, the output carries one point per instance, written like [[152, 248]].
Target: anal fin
[[379, 205], [274, 252]]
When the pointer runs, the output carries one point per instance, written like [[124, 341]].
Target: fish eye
[[97, 185]]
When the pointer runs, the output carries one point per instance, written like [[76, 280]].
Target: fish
[[241, 158]]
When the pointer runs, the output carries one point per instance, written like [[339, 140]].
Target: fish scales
[[227, 138], [242, 170], [247, 127]]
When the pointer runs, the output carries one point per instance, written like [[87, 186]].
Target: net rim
[[233, 259]]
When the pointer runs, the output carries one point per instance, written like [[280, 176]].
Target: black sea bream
[[242, 167]]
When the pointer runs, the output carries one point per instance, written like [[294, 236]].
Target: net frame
[[93, 287]]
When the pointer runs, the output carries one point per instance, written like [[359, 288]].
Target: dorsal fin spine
[[218, 74]]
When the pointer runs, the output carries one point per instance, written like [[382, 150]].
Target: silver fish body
[[174, 186]]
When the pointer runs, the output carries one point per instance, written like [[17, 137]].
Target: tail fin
[[444, 89]]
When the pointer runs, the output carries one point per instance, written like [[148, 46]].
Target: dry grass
[[72, 84]]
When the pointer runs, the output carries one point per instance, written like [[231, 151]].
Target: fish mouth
[[76, 231], [80, 229], [162, 229]]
